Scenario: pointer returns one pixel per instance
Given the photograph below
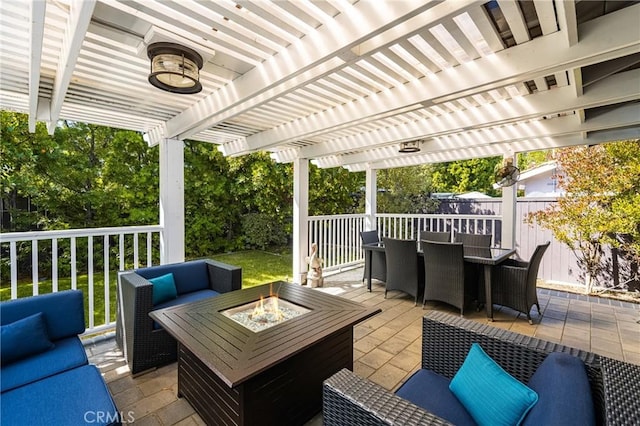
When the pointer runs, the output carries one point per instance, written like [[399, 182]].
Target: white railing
[[338, 236], [338, 239], [58, 259], [408, 226]]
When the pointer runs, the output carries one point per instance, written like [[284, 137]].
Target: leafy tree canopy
[[602, 203]]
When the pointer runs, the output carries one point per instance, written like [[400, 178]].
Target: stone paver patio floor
[[387, 346]]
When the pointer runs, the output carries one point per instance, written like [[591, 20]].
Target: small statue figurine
[[314, 275]]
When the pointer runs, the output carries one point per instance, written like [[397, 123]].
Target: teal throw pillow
[[491, 395], [164, 288], [23, 338]]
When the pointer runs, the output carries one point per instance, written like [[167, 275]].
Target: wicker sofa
[[145, 344], [352, 400]]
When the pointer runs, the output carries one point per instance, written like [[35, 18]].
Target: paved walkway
[[387, 346]]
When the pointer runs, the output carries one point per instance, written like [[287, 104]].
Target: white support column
[[300, 216], [172, 201], [509, 194], [371, 192]]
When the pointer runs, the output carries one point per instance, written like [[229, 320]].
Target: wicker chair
[[402, 266], [473, 272], [475, 240], [144, 345], [444, 274], [378, 260], [438, 237], [446, 339], [514, 282]]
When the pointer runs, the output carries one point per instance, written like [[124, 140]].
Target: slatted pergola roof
[[340, 82]]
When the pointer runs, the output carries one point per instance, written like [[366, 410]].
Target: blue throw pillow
[[490, 394], [23, 338], [164, 288]]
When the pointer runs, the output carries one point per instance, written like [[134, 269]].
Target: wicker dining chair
[[402, 266], [473, 271], [444, 274], [438, 237], [475, 240], [513, 283], [378, 260]]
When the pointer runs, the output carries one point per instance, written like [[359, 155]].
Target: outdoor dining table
[[488, 257]]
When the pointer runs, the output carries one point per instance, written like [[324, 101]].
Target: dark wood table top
[[234, 352]]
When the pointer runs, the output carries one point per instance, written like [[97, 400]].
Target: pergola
[[335, 82]]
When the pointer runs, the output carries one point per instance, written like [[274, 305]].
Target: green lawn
[[258, 267]]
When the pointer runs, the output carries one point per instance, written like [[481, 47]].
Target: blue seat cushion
[[67, 354], [63, 312], [188, 276], [430, 391], [564, 393], [75, 397], [185, 298], [23, 338]]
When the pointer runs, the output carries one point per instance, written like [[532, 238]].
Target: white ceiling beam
[[480, 18], [546, 16], [568, 21], [498, 149], [515, 20], [624, 116], [38, 10], [616, 89], [314, 56], [301, 62], [80, 12], [601, 42]]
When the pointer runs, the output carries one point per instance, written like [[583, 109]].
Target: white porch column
[[172, 200], [371, 192], [300, 216], [509, 194]]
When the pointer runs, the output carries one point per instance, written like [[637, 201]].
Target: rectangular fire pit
[[238, 374]]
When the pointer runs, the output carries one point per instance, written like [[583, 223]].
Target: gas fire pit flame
[[268, 312], [265, 313]]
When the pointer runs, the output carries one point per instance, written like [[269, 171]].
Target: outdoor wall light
[[410, 146], [174, 68]]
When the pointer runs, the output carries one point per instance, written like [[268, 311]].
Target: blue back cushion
[[564, 394], [188, 276], [491, 395], [23, 338], [63, 312]]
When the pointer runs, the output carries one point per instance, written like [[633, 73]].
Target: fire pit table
[[242, 365]]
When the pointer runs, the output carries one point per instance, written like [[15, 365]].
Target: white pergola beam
[[80, 12], [307, 57], [619, 88], [568, 21], [601, 42], [625, 116], [515, 19], [500, 149], [36, 34]]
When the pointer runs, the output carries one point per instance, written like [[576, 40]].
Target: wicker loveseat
[[352, 400], [145, 344]]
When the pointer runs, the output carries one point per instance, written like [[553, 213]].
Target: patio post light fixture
[[409, 147], [174, 68]]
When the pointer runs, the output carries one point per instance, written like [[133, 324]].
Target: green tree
[[334, 191], [405, 190], [602, 203], [465, 175]]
